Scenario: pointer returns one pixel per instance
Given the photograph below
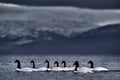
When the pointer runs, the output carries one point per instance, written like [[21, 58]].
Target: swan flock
[[75, 67]]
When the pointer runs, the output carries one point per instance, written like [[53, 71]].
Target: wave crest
[[105, 23], [9, 5]]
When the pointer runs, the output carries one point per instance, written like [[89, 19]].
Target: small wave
[[23, 41], [105, 23], [9, 5]]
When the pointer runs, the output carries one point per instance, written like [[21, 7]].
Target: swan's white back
[[67, 68], [26, 69], [44, 69], [57, 69], [85, 70], [71, 68], [100, 69], [63, 68]]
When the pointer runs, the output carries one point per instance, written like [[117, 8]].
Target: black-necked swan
[[83, 69], [65, 68], [64, 63], [19, 69], [96, 68], [45, 68], [76, 64], [48, 65], [56, 63], [33, 65], [57, 68], [32, 62]]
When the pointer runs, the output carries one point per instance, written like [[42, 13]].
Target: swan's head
[[56, 62], [63, 62], [17, 61], [32, 61], [89, 62], [46, 61], [18, 64], [76, 63]]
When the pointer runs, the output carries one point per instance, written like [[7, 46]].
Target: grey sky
[[79, 3]]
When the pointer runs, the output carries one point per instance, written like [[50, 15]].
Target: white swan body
[[24, 69], [63, 69], [66, 68], [43, 69], [85, 70], [100, 69], [34, 70], [57, 69]]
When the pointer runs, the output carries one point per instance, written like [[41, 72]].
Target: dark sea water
[[7, 67]]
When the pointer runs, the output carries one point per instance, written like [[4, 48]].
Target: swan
[[48, 65], [96, 68], [41, 68], [57, 68], [76, 65], [83, 69], [64, 63], [19, 69], [65, 68], [45, 68], [33, 63]]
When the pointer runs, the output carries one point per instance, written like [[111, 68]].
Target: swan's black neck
[[92, 64], [64, 63], [76, 64], [33, 64], [57, 64], [48, 64], [18, 64], [75, 68]]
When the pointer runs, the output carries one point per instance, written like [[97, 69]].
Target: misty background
[[60, 27]]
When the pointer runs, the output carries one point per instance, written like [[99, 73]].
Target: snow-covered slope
[[23, 28]]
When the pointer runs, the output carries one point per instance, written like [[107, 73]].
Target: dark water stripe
[[114, 71]]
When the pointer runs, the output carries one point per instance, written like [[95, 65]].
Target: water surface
[[7, 67]]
